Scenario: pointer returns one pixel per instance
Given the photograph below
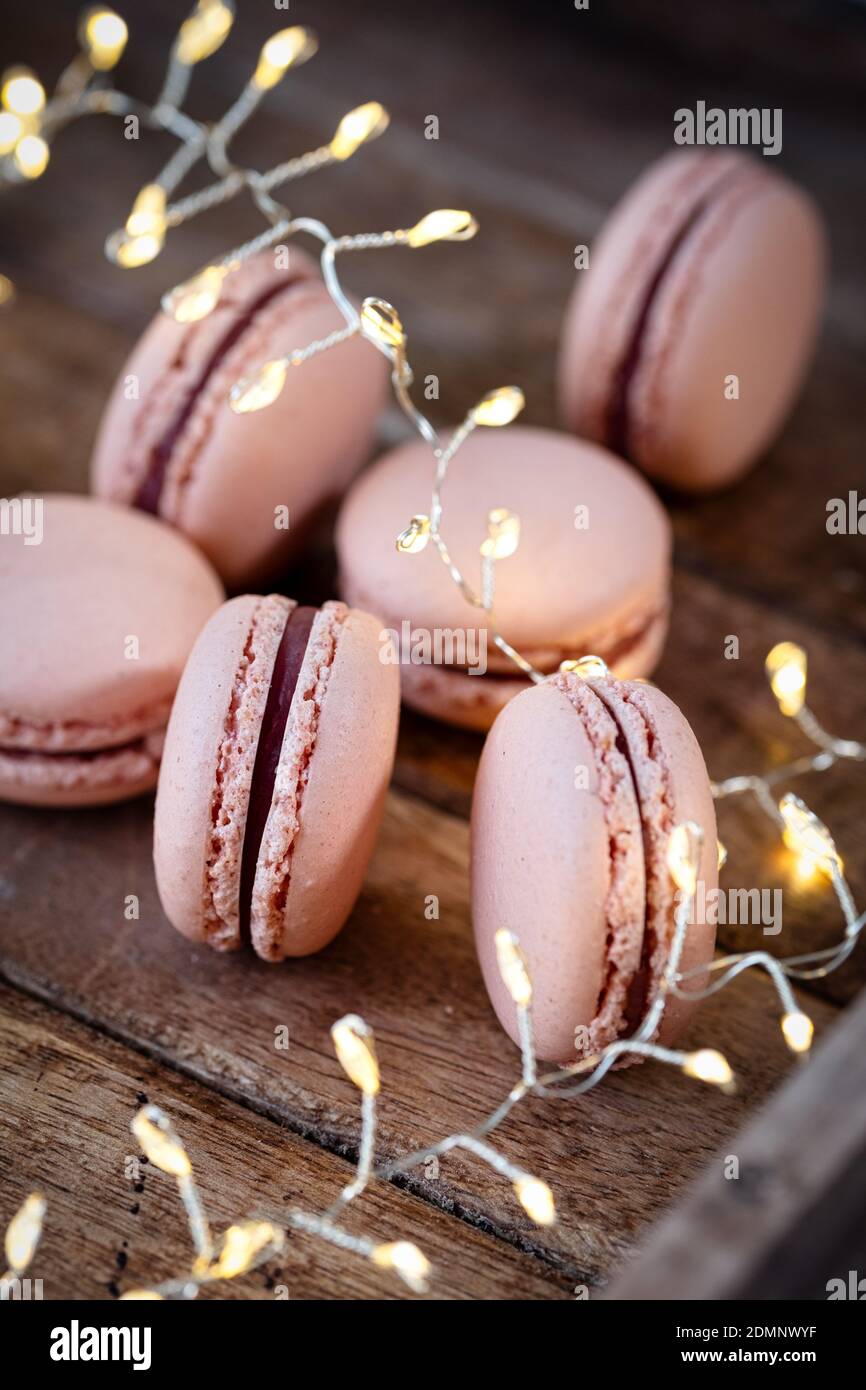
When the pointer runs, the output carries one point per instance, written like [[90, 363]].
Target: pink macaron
[[101, 608], [591, 573], [247, 487], [687, 338], [578, 789], [277, 758]]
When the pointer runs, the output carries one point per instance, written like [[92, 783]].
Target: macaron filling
[[284, 680], [617, 415], [149, 494]]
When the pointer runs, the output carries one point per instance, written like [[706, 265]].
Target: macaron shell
[[607, 296], [229, 473], [183, 823], [118, 774], [541, 865], [100, 619], [745, 301], [564, 586], [343, 798], [473, 702]]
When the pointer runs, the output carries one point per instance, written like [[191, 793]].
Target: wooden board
[[545, 117]]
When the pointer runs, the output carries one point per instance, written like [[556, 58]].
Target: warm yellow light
[[786, 668], [204, 32], [148, 212], [410, 1263], [357, 126], [241, 1247], [23, 1232], [798, 1030], [710, 1066], [353, 1044], [286, 49], [415, 536], [256, 392], [722, 854], [513, 967], [498, 407], [195, 298], [11, 130], [141, 1296], [806, 834], [589, 668], [21, 92], [129, 251], [503, 534], [103, 35], [155, 1134], [684, 855], [536, 1199], [381, 322], [445, 224], [7, 291], [31, 156]]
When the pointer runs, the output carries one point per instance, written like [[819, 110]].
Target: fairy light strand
[[28, 124]]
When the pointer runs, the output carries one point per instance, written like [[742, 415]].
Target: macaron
[[591, 572], [277, 758], [101, 609], [245, 487], [688, 336], [578, 789]]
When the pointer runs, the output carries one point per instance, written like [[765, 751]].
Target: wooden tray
[[97, 1011]]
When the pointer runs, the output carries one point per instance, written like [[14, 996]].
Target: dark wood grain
[[68, 1094], [615, 1160]]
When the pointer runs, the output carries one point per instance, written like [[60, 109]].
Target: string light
[[445, 224], [287, 49], [356, 1053], [513, 968], [197, 297], [798, 1030], [357, 127], [415, 536], [381, 323], [261, 390], [21, 92], [503, 534], [684, 855], [498, 408], [536, 1199], [410, 1263], [31, 156], [103, 35], [786, 668], [23, 1234], [710, 1066], [204, 32], [805, 833], [589, 668]]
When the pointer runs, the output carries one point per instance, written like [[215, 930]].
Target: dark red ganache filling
[[284, 680], [149, 493]]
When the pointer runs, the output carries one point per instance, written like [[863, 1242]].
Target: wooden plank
[[794, 1219], [67, 1095], [616, 1160]]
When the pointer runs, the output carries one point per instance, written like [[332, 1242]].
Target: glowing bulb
[[415, 536], [23, 1232], [195, 298], [722, 854], [503, 534], [410, 1263], [141, 1296], [11, 130], [806, 834], [7, 292], [155, 1133], [103, 35], [798, 1030], [513, 967], [358, 126], [353, 1043], [589, 668], [256, 392], [445, 224], [710, 1066], [498, 407], [241, 1247], [31, 156], [287, 49], [684, 855], [21, 92], [148, 212], [381, 322], [536, 1199], [786, 667], [204, 32]]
